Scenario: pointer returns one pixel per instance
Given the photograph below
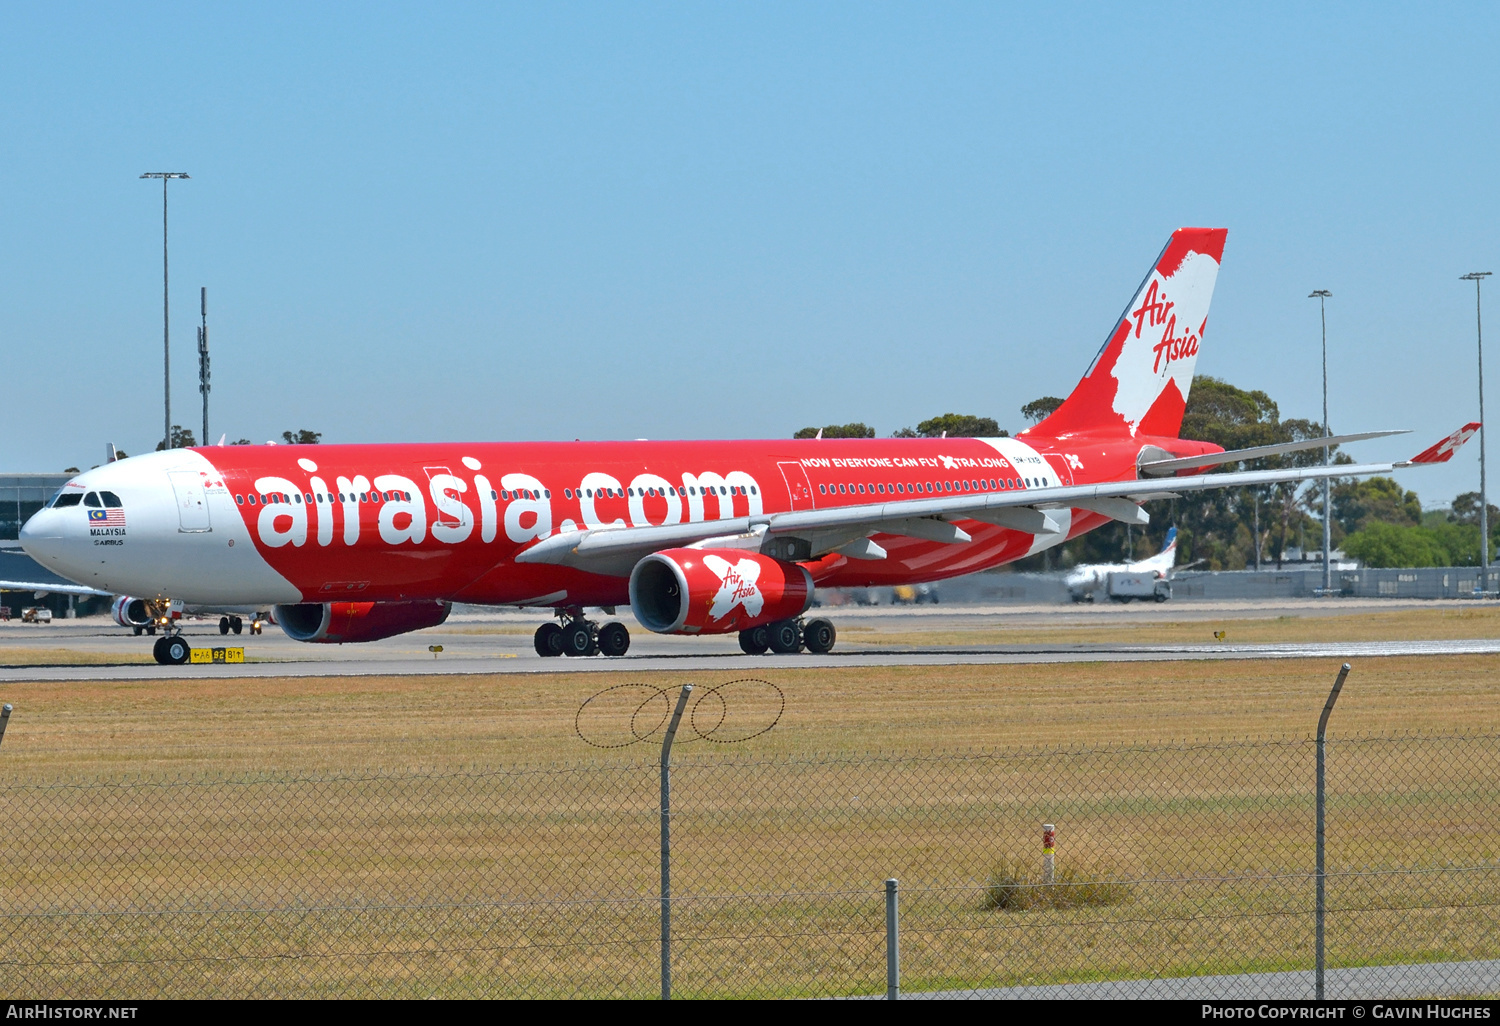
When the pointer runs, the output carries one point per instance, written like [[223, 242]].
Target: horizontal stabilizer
[[1444, 450], [1161, 468]]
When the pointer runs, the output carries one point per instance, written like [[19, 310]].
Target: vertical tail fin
[[1138, 384], [1164, 560]]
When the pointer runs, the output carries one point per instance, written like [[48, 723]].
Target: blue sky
[[618, 221]]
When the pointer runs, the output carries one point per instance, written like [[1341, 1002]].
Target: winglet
[[1444, 450]]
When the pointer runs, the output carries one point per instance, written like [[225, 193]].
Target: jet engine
[[340, 622], [131, 612], [716, 591]]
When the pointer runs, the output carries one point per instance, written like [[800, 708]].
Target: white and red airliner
[[359, 542]]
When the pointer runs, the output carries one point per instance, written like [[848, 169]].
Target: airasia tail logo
[[1156, 311], [737, 586]]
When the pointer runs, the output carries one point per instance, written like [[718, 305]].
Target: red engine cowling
[[716, 591], [340, 622], [131, 612]]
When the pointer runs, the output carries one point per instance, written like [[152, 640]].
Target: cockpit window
[[68, 499], [91, 500], [111, 500]]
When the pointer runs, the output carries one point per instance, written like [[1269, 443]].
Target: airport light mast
[[1477, 277], [203, 357], [1321, 295], [166, 329]]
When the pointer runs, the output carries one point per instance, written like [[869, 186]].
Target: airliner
[[354, 543], [1087, 578]]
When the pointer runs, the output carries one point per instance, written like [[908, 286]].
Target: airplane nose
[[42, 534]]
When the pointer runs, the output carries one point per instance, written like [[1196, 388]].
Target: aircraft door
[[797, 485], [192, 503], [444, 517]]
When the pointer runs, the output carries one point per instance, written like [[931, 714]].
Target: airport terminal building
[[21, 495]]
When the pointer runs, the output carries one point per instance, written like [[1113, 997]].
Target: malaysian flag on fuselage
[[107, 517]]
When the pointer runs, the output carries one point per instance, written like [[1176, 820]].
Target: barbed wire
[[727, 714]]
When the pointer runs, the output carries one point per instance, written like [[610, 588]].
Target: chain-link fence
[[1180, 870]]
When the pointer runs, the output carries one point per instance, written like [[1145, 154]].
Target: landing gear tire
[[755, 641], [138, 630], [236, 624], [578, 639], [785, 637], [172, 650], [177, 650], [614, 639], [819, 636], [548, 640], [223, 625], [151, 630]]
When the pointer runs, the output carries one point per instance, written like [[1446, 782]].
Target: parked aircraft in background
[[145, 616], [360, 542], [1144, 578]]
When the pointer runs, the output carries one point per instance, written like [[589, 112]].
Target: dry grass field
[[1438, 624], [374, 835], [444, 722]]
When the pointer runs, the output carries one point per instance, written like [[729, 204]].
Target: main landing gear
[[787, 637], [257, 624], [576, 636]]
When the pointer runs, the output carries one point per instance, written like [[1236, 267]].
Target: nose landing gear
[[172, 650], [576, 636]]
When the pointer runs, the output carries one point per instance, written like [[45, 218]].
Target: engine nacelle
[[716, 591], [335, 623], [131, 612]]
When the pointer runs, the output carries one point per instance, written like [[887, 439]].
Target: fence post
[[892, 943], [4, 719], [666, 843], [1049, 849], [1322, 898]]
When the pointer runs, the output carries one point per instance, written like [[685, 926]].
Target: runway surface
[[488, 642], [1366, 983]]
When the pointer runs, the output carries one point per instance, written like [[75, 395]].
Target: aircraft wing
[[615, 550], [49, 587]]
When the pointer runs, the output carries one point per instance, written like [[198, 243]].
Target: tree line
[[1374, 520]]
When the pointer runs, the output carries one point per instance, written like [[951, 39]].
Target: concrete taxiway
[[489, 642]]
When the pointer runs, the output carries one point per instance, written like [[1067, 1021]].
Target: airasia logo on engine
[[736, 587]]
